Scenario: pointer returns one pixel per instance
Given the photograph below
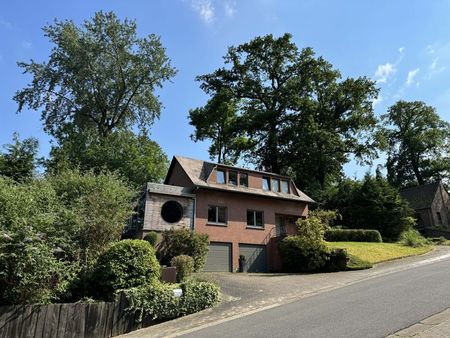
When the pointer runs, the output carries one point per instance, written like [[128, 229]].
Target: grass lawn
[[373, 253]]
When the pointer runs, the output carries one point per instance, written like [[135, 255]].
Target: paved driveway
[[249, 293]]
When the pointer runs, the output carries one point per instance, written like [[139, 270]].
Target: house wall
[[236, 230], [424, 218], [179, 177], [440, 204], [152, 217]]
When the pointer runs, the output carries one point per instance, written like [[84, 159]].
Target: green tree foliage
[[177, 242], [125, 264], [136, 158], [29, 270], [19, 160], [184, 265], [371, 204], [99, 75], [307, 250], [219, 122], [416, 140], [301, 118]]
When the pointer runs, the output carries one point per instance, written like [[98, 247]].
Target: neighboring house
[[243, 211], [431, 204]]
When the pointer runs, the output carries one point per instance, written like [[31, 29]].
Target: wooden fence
[[77, 320]]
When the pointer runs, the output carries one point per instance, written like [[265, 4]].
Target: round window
[[172, 211]]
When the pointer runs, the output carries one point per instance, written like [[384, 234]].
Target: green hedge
[[158, 302], [353, 235]]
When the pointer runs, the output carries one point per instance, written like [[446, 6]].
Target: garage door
[[256, 257], [219, 257]]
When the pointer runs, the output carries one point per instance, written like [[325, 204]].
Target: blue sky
[[404, 45]]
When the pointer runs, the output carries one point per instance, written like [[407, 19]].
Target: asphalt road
[[373, 308]]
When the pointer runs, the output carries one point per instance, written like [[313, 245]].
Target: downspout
[[195, 209]]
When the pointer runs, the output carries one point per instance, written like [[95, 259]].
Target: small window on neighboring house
[[217, 215], [255, 219], [266, 183], [220, 176], [285, 186], [439, 218], [232, 177], [243, 179], [276, 185]]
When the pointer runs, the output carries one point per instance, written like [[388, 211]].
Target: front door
[[280, 226]]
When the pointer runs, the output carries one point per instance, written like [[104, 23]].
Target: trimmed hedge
[[353, 235], [158, 302], [152, 238], [125, 264], [184, 265]]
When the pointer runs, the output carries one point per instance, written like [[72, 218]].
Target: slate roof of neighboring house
[[198, 172], [422, 196]]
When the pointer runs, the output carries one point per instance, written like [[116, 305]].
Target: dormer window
[[266, 183], [285, 186], [243, 179], [220, 176], [276, 185], [232, 177]]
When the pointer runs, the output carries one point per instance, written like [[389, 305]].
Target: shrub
[[157, 301], [125, 264], [29, 271], [337, 260], [152, 238], [412, 238], [183, 242], [352, 235], [184, 265], [299, 254]]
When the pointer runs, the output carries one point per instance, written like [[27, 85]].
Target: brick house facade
[[243, 211]]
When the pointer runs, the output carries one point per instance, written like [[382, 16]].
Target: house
[[243, 211], [431, 204]]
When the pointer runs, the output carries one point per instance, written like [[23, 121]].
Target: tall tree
[[99, 75], [19, 160], [136, 158], [302, 118], [416, 140], [219, 122]]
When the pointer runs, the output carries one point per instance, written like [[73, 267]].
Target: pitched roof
[[198, 172], [422, 196], [171, 190]]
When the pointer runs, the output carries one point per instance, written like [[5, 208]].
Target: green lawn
[[378, 252]]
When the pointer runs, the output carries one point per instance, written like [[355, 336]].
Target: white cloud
[[384, 71], [401, 50], [205, 9], [26, 44], [430, 50], [377, 100], [411, 75], [434, 64], [230, 8], [6, 24]]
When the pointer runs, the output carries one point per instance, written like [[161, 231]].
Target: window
[[217, 215], [243, 180], [266, 183], [232, 177], [276, 185], [255, 219], [172, 212], [285, 186], [220, 176]]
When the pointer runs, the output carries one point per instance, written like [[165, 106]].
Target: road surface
[[373, 308]]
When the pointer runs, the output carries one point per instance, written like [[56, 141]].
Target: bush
[[152, 238], [301, 255], [412, 238], [352, 235], [125, 264], [337, 260], [158, 301], [183, 242], [184, 265], [29, 271]]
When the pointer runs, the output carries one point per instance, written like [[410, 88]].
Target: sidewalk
[[437, 325], [244, 294]]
